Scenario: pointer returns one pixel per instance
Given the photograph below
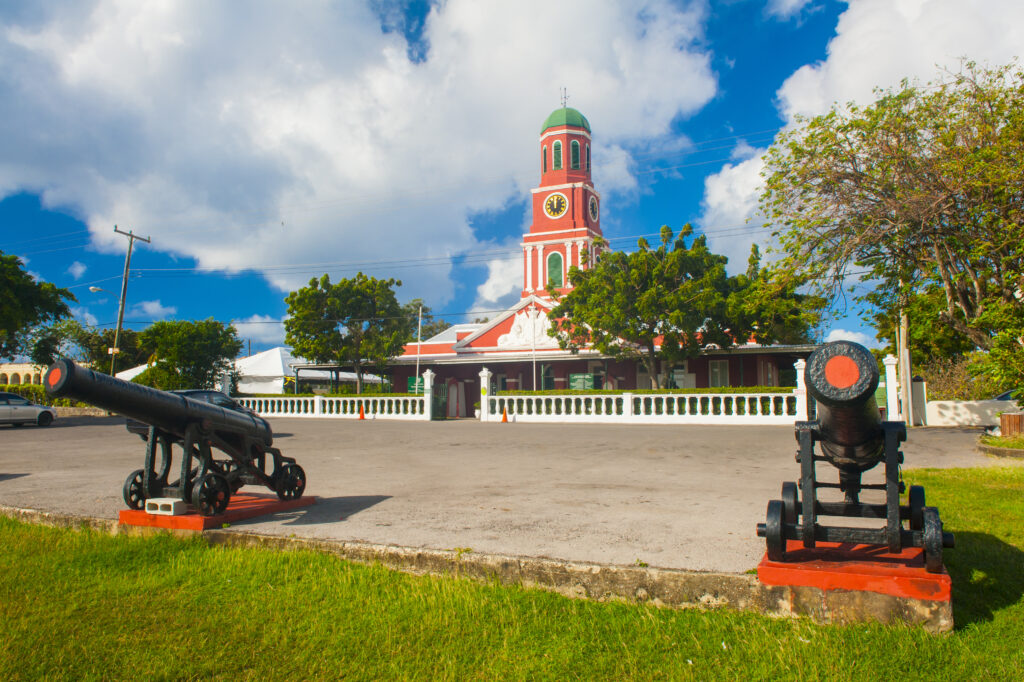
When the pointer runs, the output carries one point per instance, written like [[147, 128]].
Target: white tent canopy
[[266, 372]]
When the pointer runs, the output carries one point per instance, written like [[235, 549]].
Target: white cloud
[[784, 9], [82, 314], [76, 270], [504, 282], [730, 217], [880, 42], [857, 337], [877, 43], [150, 310], [304, 134], [262, 329]]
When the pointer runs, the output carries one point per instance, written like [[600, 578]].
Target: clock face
[[593, 209], [555, 205]]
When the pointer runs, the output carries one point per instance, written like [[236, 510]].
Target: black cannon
[[842, 377], [197, 428]]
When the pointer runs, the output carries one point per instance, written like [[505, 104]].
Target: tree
[[930, 337], [431, 327], [24, 304], [355, 322], [188, 354], [921, 189], [676, 296], [69, 338]]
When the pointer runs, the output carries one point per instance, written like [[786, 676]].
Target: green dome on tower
[[566, 116]]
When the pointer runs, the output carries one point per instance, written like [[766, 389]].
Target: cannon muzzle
[[167, 411], [842, 377]]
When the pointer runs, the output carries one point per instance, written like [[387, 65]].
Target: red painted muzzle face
[[842, 371]]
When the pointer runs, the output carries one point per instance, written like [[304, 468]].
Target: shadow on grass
[[7, 477], [987, 576]]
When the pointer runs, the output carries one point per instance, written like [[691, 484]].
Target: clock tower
[[566, 208]]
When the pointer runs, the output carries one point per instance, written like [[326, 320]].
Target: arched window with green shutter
[[588, 157], [544, 159], [574, 154], [555, 276], [556, 152]]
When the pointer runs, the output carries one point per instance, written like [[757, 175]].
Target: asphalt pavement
[[669, 496]]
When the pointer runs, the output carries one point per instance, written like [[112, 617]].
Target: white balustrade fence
[[649, 408], [388, 407]]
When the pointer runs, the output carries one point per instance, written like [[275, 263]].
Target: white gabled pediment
[[524, 326]]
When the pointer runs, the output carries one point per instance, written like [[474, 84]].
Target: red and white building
[[515, 345]]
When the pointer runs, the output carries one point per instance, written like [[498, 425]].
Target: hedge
[[36, 394]]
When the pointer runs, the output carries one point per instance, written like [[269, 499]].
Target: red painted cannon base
[[242, 506], [857, 568]]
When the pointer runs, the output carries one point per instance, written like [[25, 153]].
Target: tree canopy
[[666, 303], [431, 326], [921, 191], [24, 304], [188, 354], [356, 322], [85, 344]]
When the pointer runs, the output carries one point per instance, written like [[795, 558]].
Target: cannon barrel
[[842, 377], [167, 411]]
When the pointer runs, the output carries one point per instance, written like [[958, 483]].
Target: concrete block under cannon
[[197, 428], [842, 378]]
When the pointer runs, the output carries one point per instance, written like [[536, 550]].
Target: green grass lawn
[[83, 605]]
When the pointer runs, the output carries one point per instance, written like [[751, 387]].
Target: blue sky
[[263, 146]]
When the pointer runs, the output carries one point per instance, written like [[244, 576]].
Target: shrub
[[36, 394], [955, 379]]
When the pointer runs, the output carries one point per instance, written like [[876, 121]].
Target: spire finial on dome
[[565, 96]]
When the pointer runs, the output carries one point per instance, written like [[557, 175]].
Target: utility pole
[[419, 340], [124, 292]]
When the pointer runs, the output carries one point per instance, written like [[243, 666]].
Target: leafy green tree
[[674, 296], [930, 337], [188, 354], [69, 338], [431, 326], [921, 190], [24, 304], [770, 306], [355, 322], [95, 343]]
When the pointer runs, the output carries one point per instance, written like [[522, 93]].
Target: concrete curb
[[663, 587], [1000, 452]]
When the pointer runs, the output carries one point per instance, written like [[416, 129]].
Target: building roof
[[450, 335], [566, 116]]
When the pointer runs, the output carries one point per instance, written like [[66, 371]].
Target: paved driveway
[[671, 496]]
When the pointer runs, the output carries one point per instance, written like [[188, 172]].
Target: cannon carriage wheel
[[915, 500], [290, 482], [775, 530], [134, 490], [932, 539], [790, 502], [211, 494]]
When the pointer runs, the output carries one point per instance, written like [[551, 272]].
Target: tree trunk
[[652, 365]]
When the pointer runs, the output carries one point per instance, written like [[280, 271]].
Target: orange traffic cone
[[362, 415], [504, 415]]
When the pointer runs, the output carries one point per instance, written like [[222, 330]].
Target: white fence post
[[627, 404], [428, 395], [485, 387], [801, 390], [892, 396]]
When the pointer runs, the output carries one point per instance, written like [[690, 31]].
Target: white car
[[17, 410]]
